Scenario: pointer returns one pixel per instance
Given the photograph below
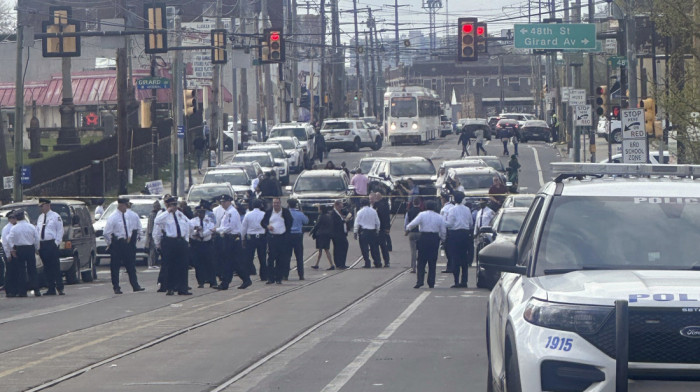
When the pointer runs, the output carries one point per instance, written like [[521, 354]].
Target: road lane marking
[[539, 168], [346, 374]]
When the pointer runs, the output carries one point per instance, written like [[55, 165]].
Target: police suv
[[601, 289]]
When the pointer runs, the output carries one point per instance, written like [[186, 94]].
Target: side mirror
[[485, 230], [288, 188], [502, 257]]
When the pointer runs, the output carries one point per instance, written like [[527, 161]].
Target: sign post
[[634, 137]]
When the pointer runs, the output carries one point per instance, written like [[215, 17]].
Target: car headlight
[[393, 126], [415, 125], [583, 319]]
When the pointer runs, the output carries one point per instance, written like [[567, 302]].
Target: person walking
[[479, 135], [199, 145], [513, 169], [367, 225], [515, 139], [432, 229], [152, 253], [339, 233], [412, 234], [320, 145], [384, 235], [321, 232], [461, 241], [50, 228], [296, 235], [278, 222], [22, 243], [504, 134], [232, 258], [466, 141], [202, 247], [121, 233], [171, 234], [255, 240]]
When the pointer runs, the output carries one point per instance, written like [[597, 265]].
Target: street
[[352, 330]]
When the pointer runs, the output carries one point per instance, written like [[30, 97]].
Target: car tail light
[[67, 245]]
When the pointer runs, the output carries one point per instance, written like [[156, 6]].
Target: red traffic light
[[616, 111], [480, 30], [274, 37], [467, 28]]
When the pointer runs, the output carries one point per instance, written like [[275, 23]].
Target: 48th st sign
[[555, 36]]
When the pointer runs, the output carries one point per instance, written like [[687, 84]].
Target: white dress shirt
[[219, 212], [115, 226], [23, 233], [483, 218], [206, 225], [231, 222], [429, 222], [459, 218], [165, 222], [277, 223], [254, 184], [445, 209], [54, 227], [5, 240], [367, 219], [251, 223]]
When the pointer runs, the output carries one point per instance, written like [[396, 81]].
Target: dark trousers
[[465, 149], [202, 254], [48, 251], [296, 244], [428, 246], [384, 241], [232, 260], [277, 262], [24, 274], [176, 257], [505, 148], [319, 152], [122, 253], [448, 251], [259, 245], [461, 245], [515, 148], [480, 147], [340, 250], [12, 277], [369, 242]]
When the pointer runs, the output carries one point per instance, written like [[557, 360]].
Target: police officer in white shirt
[[171, 234], [278, 222], [121, 233], [460, 240], [50, 228], [255, 239], [11, 273], [22, 241], [367, 225], [432, 229], [202, 247], [447, 205], [483, 217], [232, 258]]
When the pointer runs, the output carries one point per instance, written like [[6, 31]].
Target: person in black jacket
[[466, 141], [320, 144], [384, 239], [322, 234], [339, 233], [278, 223]]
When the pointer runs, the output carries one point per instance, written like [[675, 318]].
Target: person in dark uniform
[[278, 223], [432, 230], [233, 258], [322, 234], [320, 144], [339, 234], [383, 237], [255, 239], [461, 241], [466, 141], [50, 228], [202, 247], [366, 225], [22, 242], [296, 235], [121, 233], [171, 235]]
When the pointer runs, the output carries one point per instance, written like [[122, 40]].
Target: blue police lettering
[[662, 297], [635, 297]]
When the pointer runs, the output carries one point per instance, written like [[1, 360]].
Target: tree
[[8, 20]]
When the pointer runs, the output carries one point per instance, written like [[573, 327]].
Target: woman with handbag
[[321, 232]]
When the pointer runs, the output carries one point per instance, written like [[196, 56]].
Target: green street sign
[[598, 49], [555, 36], [152, 83], [617, 61]]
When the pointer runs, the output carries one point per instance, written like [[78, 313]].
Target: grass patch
[[50, 143]]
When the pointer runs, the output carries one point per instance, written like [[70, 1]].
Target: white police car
[[602, 286]]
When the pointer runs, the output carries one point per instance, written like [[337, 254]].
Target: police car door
[[363, 131]]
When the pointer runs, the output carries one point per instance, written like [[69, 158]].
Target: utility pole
[[214, 121], [258, 87], [373, 82], [19, 109], [243, 4], [122, 115], [360, 112], [380, 82], [396, 32], [630, 35], [591, 84], [234, 87], [154, 126], [366, 82], [269, 94], [295, 64], [177, 169], [322, 83]]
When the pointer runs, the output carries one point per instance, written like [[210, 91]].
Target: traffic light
[[274, 41], [616, 112], [154, 16], [218, 43], [190, 102], [355, 95], [602, 100], [467, 45], [649, 107], [481, 35], [145, 109]]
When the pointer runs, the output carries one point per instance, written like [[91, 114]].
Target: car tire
[[88, 276], [377, 144], [616, 136], [73, 274], [489, 372], [355, 145], [512, 370]]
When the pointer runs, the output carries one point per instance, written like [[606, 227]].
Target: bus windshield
[[403, 107]]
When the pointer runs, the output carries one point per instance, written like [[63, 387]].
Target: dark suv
[[390, 176], [315, 187], [78, 249]]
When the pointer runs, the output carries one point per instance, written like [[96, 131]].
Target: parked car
[[350, 134], [252, 170], [518, 200], [505, 226], [470, 125], [445, 126], [615, 130], [236, 177], [316, 187], [304, 132], [263, 158], [294, 151], [446, 165], [142, 206], [535, 130], [279, 158], [390, 175], [491, 160], [366, 164], [210, 191], [521, 118], [78, 250], [475, 180]]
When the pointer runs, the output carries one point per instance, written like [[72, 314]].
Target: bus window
[[403, 107]]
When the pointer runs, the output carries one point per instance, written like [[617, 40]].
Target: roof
[[322, 173], [539, 122], [474, 170], [226, 169], [403, 159], [251, 152], [663, 188], [32, 202], [291, 125]]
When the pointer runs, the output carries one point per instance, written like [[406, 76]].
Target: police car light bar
[[622, 169]]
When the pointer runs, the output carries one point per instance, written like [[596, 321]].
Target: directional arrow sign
[[583, 115], [555, 36], [632, 124]]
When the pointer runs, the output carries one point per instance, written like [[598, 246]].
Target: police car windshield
[[233, 178], [366, 164], [263, 160], [299, 133], [207, 193], [401, 169], [287, 144], [319, 184], [510, 222], [274, 150], [141, 209], [475, 181], [619, 233]]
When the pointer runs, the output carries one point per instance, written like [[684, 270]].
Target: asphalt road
[[353, 330]]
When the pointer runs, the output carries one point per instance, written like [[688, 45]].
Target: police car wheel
[[512, 372]]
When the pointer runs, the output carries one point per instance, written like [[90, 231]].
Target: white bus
[[412, 115]]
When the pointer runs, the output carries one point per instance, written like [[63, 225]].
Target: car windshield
[[275, 151], [263, 160], [233, 178], [404, 107], [475, 180], [402, 169], [366, 164], [299, 133], [520, 201], [510, 222], [464, 163], [141, 209], [34, 211], [285, 143], [336, 125], [319, 184], [494, 163], [627, 233], [207, 193]]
